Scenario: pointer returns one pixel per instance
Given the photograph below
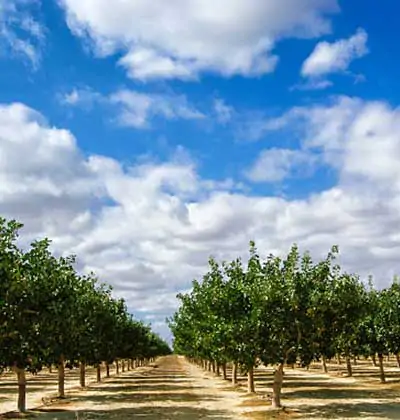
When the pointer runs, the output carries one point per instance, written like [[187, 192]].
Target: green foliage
[[48, 312], [284, 310]]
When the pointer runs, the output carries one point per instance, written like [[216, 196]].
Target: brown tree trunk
[[117, 367], [50, 369], [374, 360], [323, 362], [21, 390], [355, 361], [348, 366], [213, 366], [339, 361], [234, 373], [107, 370], [218, 370], [398, 360], [250, 381], [224, 371], [277, 387], [123, 365], [381, 369], [98, 372], [82, 374], [61, 377]]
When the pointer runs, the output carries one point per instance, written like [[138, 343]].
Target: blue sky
[[144, 136]]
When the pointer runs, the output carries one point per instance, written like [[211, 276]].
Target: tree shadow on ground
[[350, 411], [144, 412], [126, 396]]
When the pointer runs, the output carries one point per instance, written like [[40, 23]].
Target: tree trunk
[[324, 367], [98, 372], [107, 370], [224, 371], [117, 367], [50, 369], [374, 360], [213, 366], [250, 381], [277, 387], [234, 373], [348, 366], [339, 361], [381, 369], [218, 370], [61, 377], [355, 361], [123, 365], [398, 360], [82, 374], [21, 390]]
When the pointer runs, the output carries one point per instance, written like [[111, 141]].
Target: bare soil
[[174, 389]]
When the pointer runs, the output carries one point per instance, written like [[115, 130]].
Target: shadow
[[144, 412], [145, 388], [350, 411], [337, 393], [138, 397]]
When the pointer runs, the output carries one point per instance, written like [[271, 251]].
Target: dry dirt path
[[173, 389]]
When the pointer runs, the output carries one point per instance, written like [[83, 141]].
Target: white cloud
[[136, 109], [223, 112], [274, 165], [182, 38], [336, 57], [133, 108], [152, 226], [19, 32], [82, 97]]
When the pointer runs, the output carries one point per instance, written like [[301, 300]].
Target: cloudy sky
[[144, 136]]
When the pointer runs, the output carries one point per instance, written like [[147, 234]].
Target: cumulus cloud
[[19, 32], [274, 165], [336, 57], [148, 229], [135, 109], [223, 112], [183, 38]]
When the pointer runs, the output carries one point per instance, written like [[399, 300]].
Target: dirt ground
[[174, 389]]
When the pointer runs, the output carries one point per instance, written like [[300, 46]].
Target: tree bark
[[107, 370], [374, 360], [98, 372], [61, 377], [277, 387], [82, 374], [218, 370], [117, 367], [398, 360], [381, 369], [224, 370], [50, 369], [323, 362], [355, 361], [21, 390], [250, 381], [348, 366], [234, 373], [213, 366], [339, 361], [123, 365]]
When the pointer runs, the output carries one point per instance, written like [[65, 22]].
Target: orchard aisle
[[172, 390]]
